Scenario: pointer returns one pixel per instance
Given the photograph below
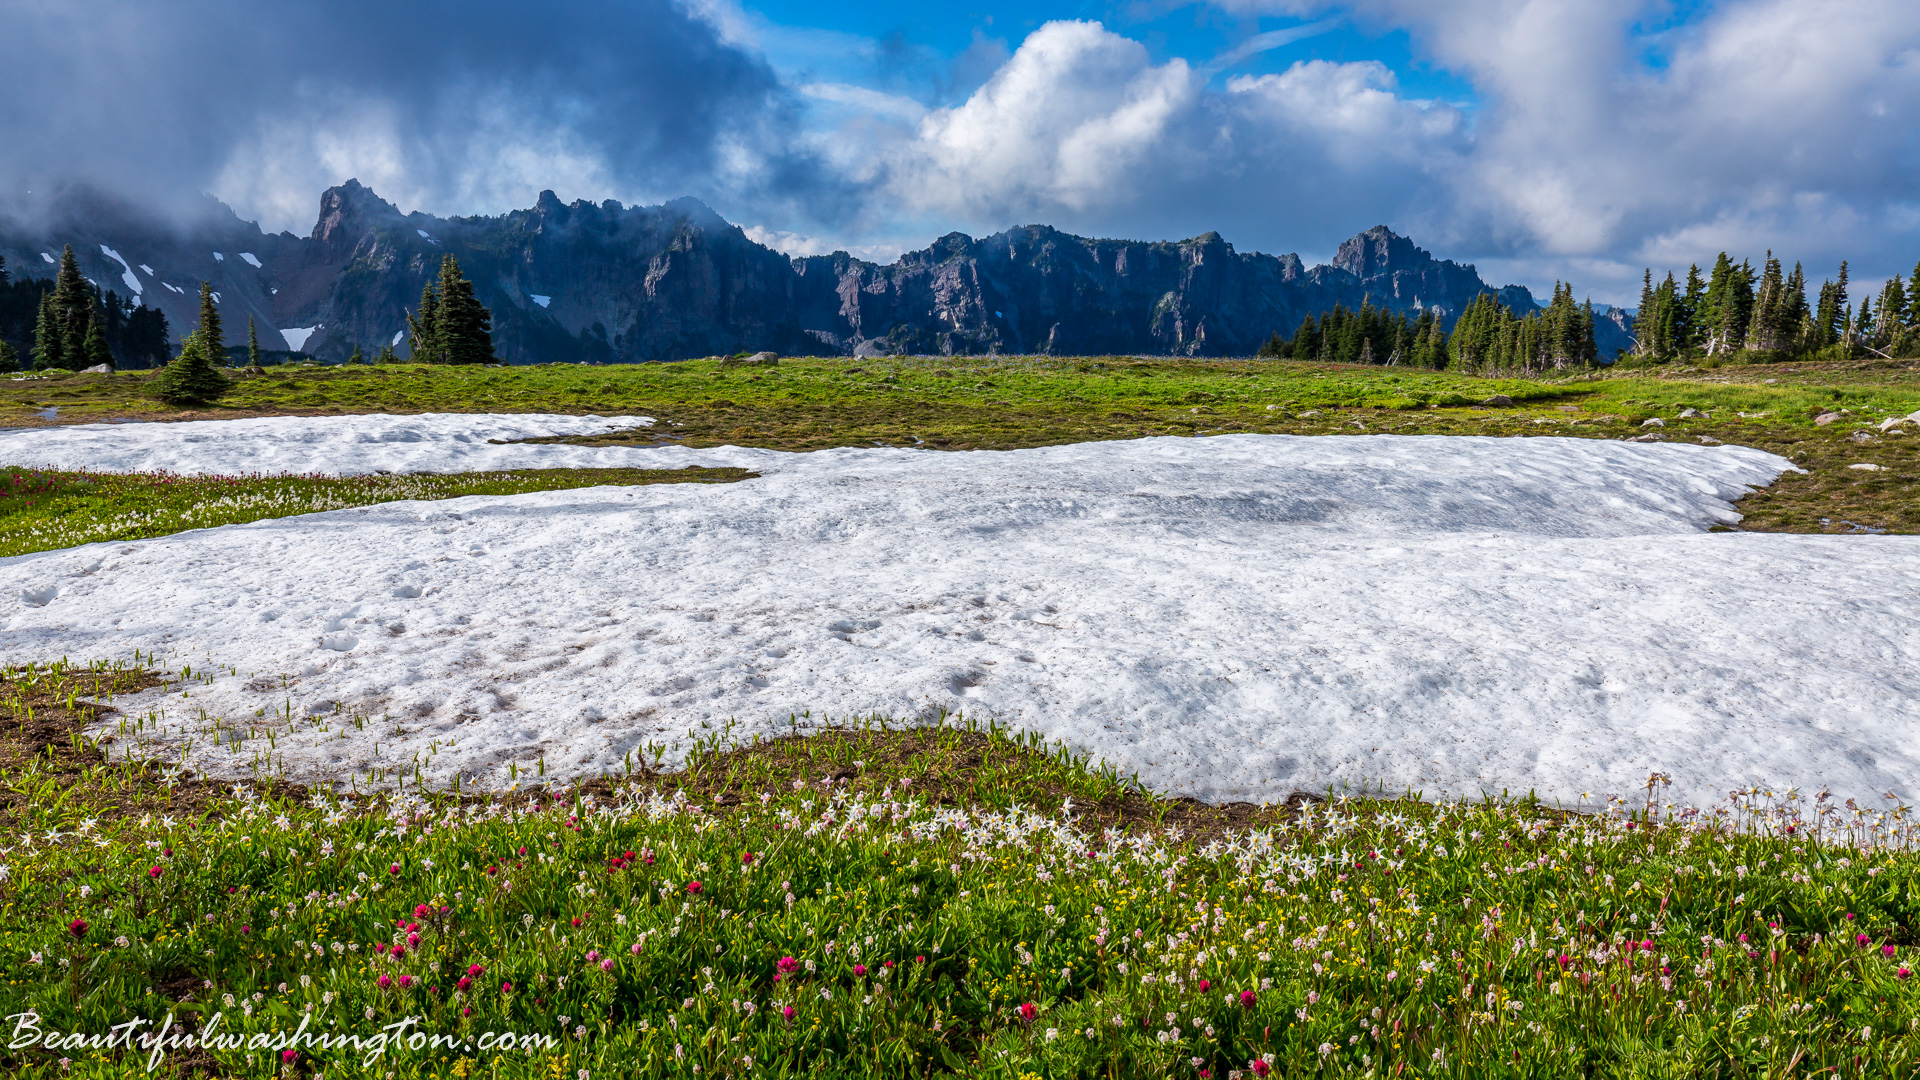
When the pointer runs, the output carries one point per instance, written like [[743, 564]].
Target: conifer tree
[[49, 339], [253, 345], [1692, 302], [465, 326], [95, 345], [211, 338], [73, 305], [424, 329], [9, 359], [1765, 332], [192, 377]]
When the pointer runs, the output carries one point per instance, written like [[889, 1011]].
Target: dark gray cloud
[[453, 107]]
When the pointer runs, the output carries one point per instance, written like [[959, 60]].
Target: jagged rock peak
[[348, 209], [1380, 250]]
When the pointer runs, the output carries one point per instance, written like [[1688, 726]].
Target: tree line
[[70, 323], [1769, 315], [1487, 338]]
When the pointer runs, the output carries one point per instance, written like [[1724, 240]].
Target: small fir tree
[[96, 352], [356, 357], [192, 378], [253, 345], [424, 329], [9, 359], [49, 340]]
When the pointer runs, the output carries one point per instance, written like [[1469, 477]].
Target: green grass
[[44, 510], [895, 398], [916, 929]]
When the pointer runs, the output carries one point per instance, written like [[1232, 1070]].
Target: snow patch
[[337, 445], [397, 335], [147, 268], [51, 261], [217, 257], [543, 301], [250, 260], [427, 238], [297, 336], [132, 281], [1232, 617], [216, 298]]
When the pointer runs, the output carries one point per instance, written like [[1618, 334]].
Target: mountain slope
[[585, 281]]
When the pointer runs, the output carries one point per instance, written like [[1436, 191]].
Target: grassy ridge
[[866, 904], [42, 510]]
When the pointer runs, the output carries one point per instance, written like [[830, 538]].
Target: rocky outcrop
[[585, 281]]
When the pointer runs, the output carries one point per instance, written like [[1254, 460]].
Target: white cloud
[[798, 245], [1081, 128], [1758, 123]]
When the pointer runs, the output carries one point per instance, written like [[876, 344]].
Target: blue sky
[[1541, 140], [922, 49]]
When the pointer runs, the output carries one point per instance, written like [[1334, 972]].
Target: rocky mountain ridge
[[605, 282]]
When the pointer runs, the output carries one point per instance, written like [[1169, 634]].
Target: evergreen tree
[[211, 339], [356, 357], [1692, 303], [192, 377], [95, 346], [424, 330], [49, 339], [1830, 315], [465, 326], [386, 355], [1765, 327], [9, 359], [253, 345], [73, 305]]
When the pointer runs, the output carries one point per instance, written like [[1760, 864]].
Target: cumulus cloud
[[1083, 129], [1607, 137]]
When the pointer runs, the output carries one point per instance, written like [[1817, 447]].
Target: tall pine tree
[[253, 345]]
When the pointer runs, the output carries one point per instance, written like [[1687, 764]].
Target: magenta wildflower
[[694, 887], [859, 970], [1028, 1011], [1247, 998], [787, 965], [383, 981]]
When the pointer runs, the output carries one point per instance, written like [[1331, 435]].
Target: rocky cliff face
[[606, 282]]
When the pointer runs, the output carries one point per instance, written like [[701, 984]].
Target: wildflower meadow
[[797, 908]]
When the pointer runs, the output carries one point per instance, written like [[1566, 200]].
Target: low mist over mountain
[[580, 281]]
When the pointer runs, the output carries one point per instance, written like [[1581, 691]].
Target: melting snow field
[[1231, 617]]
